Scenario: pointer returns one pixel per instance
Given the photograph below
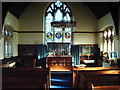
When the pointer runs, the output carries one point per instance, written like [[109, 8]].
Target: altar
[[59, 63]]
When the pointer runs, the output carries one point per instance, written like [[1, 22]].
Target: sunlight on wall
[[85, 38]]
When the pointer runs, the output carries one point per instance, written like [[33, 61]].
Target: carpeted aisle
[[61, 79]]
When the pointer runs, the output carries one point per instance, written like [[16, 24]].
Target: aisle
[[61, 79]]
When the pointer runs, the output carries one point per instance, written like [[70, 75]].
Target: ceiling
[[16, 8], [99, 9]]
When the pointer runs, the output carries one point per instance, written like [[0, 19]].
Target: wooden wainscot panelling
[[27, 50]]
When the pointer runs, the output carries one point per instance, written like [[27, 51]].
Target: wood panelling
[[27, 50]]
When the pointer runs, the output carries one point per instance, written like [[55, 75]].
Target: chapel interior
[[57, 44]]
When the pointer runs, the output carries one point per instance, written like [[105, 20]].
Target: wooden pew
[[20, 78], [96, 78]]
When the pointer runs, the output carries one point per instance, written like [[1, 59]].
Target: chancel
[[59, 44]]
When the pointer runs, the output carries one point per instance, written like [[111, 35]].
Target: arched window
[[57, 11], [8, 40], [109, 34]]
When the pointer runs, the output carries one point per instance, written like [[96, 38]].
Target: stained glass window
[[57, 11]]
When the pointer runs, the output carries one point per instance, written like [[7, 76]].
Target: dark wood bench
[[96, 78], [20, 78]]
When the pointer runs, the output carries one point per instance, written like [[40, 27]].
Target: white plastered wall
[[32, 19]]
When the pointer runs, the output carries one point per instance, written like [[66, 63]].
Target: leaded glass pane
[[67, 36], [105, 46], [58, 36], [52, 6], [68, 29], [64, 6], [6, 32], [109, 45], [49, 36], [10, 49], [113, 32], [67, 10], [58, 3], [10, 34], [109, 33], [113, 46], [58, 29], [49, 10], [105, 34], [67, 17], [6, 49], [58, 15], [49, 19]]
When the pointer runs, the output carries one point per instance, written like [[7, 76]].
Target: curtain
[[75, 54], [42, 53]]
